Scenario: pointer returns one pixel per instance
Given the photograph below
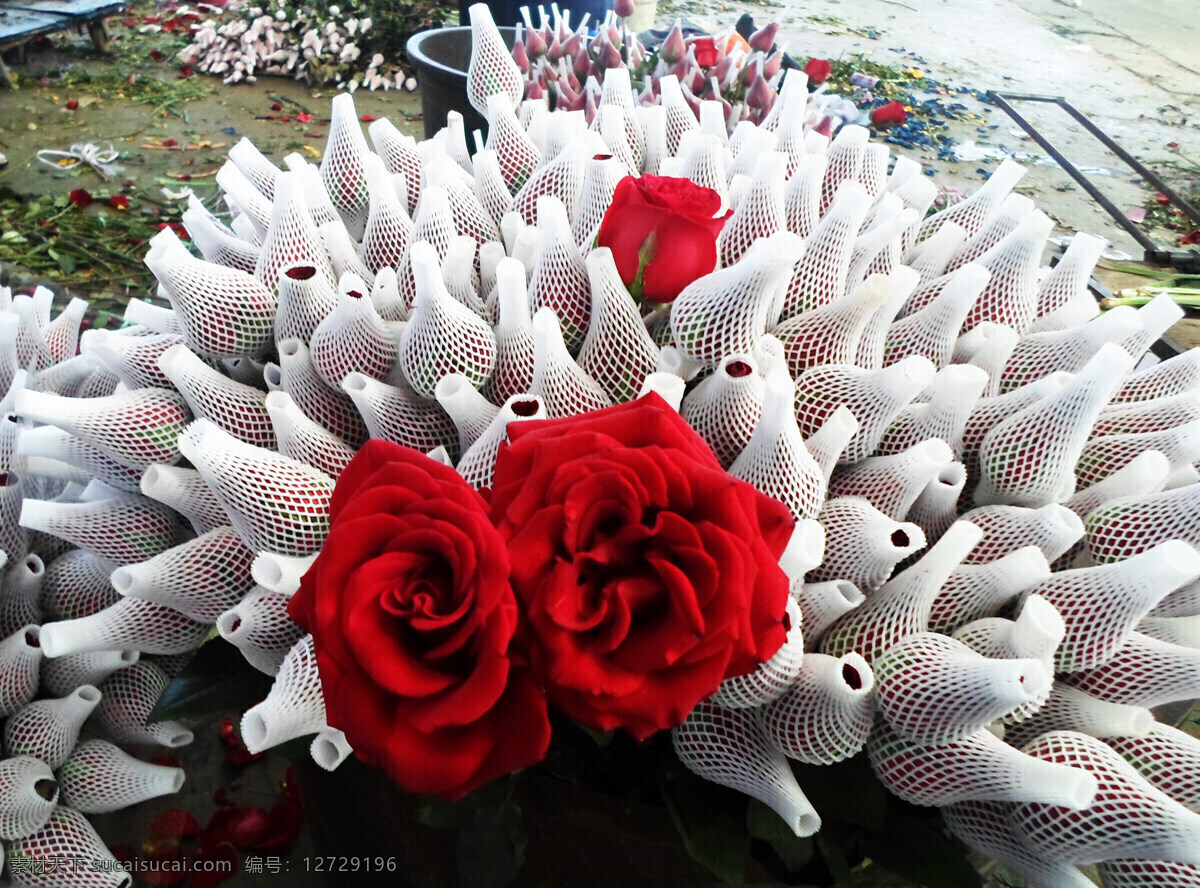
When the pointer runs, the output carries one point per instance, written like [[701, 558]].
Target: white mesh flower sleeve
[[61, 675], [67, 836], [845, 157], [821, 604], [833, 333], [1178, 374], [1128, 525], [99, 778], [979, 767], [984, 826], [934, 690], [1067, 282], [129, 698], [829, 441], [775, 459], [729, 747], [299, 378], [388, 225], [770, 679], [343, 164], [460, 276], [259, 626], [976, 591], [470, 411], [930, 258], [343, 253], [1103, 456], [353, 338], [989, 346], [703, 159], [237, 408], [727, 311], [725, 408], [28, 794], [559, 278], [826, 714], [185, 492], [20, 662], [293, 708], [76, 584], [1167, 757], [254, 165], [892, 483], [135, 428], [305, 440], [385, 296], [277, 504], [1102, 605], [1143, 672], [1011, 296], [1131, 872], [760, 212], [1144, 475], [1070, 709], [563, 386], [251, 207], [1010, 214], [519, 156], [223, 312], [1128, 817], [400, 155], [490, 188], [442, 336], [201, 578], [305, 299], [399, 415], [944, 413], [973, 212], [1038, 354], [802, 195], [1029, 458], [562, 177], [901, 606], [20, 595], [124, 528], [478, 462], [513, 372], [820, 275], [132, 356], [1183, 630], [129, 624], [49, 729], [330, 748], [217, 243], [933, 330], [1157, 317], [863, 545], [1153, 415], [491, 70], [281, 573]]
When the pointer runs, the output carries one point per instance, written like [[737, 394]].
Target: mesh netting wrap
[[770, 679], [255, 166], [76, 584], [201, 578], [775, 459], [478, 461], [972, 213], [1157, 317], [933, 329], [1170, 377], [68, 837], [1128, 817], [1003, 222], [1145, 474], [490, 188], [760, 212], [978, 591], [563, 386], [343, 253], [519, 156], [1137, 873], [561, 177], [184, 491], [1038, 354], [293, 708], [1067, 282], [280, 573], [442, 335], [237, 408], [259, 627], [863, 545], [729, 747], [49, 729], [491, 70], [343, 165], [513, 372], [330, 748], [400, 155], [99, 778], [135, 428], [223, 312], [845, 156], [600, 177], [702, 158], [1167, 757], [28, 794], [1128, 525], [277, 504], [129, 698], [470, 411], [901, 607], [875, 398], [826, 713], [892, 483], [930, 258], [877, 250], [129, 624], [251, 207], [388, 226], [1152, 415], [460, 276], [943, 414], [984, 826], [1101, 605], [1183, 602], [61, 675], [20, 595], [829, 441], [124, 528], [297, 376], [727, 311], [936, 507], [1184, 630], [821, 604], [833, 333], [979, 767], [353, 338], [218, 244], [1144, 672], [726, 407], [385, 296], [560, 279], [399, 415], [1070, 709], [1011, 295], [802, 195], [820, 275], [305, 440], [20, 663], [1029, 458], [132, 356], [1103, 456], [988, 346]]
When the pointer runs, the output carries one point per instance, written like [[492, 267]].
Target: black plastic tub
[[441, 57]]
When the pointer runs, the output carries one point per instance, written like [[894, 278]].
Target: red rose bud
[[72, 104], [705, 49], [773, 63], [535, 44], [573, 82], [674, 47], [760, 95], [891, 114], [573, 45], [520, 56], [582, 66], [818, 71], [610, 57], [555, 52], [81, 197], [623, 8], [763, 39], [119, 202], [533, 90], [825, 127]]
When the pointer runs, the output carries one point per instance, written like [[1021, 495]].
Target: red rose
[[889, 114], [647, 574], [412, 614], [81, 197], [662, 234], [817, 71], [705, 49]]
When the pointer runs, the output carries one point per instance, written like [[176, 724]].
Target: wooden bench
[[23, 20]]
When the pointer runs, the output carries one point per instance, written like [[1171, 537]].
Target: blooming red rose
[[81, 197], [705, 49], [119, 202], [889, 114], [647, 574], [662, 233], [412, 615], [817, 71]]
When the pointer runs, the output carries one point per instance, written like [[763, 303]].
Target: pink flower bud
[[772, 65], [674, 47], [520, 56], [533, 90], [610, 57], [764, 38], [623, 8], [573, 44], [760, 94], [535, 44], [582, 66], [555, 52]]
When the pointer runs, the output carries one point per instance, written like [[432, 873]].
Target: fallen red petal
[[212, 866], [275, 106], [173, 824], [119, 202], [367, 118], [81, 197], [72, 104], [243, 827], [157, 55], [284, 822], [304, 118], [1161, 199]]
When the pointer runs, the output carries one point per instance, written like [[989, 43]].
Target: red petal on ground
[[173, 824], [81, 197], [243, 827], [275, 106], [284, 822], [119, 202], [1161, 199], [367, 118], [72, 104], [304, 118], [1192, 237], [212, 866], [165, 868], [169, 143], [157, 55], [314, 135]]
